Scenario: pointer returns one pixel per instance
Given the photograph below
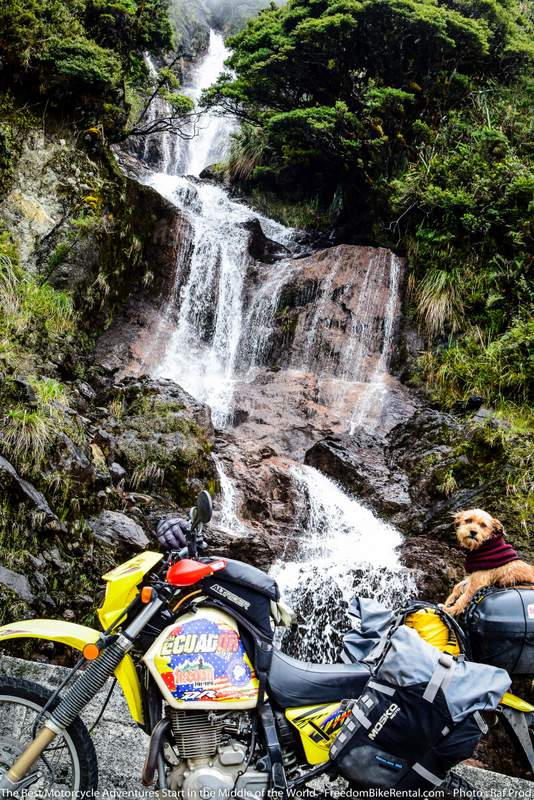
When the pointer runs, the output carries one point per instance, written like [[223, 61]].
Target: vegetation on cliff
[[76, 238], [86, 57]]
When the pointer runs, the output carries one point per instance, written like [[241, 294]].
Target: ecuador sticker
[[204, 659]]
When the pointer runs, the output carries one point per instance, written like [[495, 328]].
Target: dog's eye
[[468, 520], [483, 525]]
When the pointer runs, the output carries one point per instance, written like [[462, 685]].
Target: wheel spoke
[[17, 719]]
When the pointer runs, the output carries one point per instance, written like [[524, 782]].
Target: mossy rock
[[163, 438]]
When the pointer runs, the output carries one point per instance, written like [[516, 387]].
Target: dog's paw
[[454, 610]]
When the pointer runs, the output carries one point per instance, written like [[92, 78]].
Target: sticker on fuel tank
[[205, 660], [530, 610]]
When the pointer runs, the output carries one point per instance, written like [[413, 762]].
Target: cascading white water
[[203, 349], [227, 513], [221, 325], [211, 144], [210, 273], [346, 550]]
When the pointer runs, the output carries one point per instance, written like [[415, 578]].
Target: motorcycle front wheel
[[68, 767]]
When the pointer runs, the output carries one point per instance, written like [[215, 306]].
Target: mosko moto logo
[[388, 714]]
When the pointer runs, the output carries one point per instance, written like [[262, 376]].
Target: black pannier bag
[[499, 624], [419, 715]]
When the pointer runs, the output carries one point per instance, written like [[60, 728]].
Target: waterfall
[[346, 550], [223, 311], [209, 286], [210, 145], [202, 351]]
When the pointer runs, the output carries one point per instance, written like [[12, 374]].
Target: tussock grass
[[34, 317], [246, 151], [29, 304], [28, 431], [147, 476], [439, 300], [499, 370]]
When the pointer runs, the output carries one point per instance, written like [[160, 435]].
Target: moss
[[159, 441], [15, 124], [304, 215]]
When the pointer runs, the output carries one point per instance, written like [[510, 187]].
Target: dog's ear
[[457, 517], [497, 526]]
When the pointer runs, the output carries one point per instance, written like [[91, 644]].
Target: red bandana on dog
[[493, 553]]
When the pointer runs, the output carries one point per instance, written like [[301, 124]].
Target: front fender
[[74, 635]]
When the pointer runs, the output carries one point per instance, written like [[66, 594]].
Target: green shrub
[[499, 370], [85, 53], [80, 64]]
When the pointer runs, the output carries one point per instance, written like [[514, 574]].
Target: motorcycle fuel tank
[[199, 662]]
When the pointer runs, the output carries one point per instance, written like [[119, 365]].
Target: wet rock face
[[437, 566], [331, 311], [291, 410], [398, 474], [260, 526], [359, 462]]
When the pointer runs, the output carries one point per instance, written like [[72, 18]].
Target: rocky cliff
[[88, 462]]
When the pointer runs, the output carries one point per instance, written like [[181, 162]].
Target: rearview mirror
[[204, 506]]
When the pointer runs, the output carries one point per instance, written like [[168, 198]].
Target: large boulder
[[16, 583], [163, 438], [25, 491], [116, 528], [330, 310], [260, 247], [359, 463], [256, 520]]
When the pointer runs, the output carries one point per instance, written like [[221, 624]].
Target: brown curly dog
[[490, 560]]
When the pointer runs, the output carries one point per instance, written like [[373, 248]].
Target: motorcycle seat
[[294, 683]]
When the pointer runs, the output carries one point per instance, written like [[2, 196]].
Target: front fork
[[76, 699]]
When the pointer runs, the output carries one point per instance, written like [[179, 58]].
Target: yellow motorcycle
[[189, 640]]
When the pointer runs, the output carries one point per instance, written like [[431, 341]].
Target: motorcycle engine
[[213, 757]]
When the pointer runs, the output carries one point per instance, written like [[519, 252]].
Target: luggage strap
[[441, 677], [278, 775], [425, 773]]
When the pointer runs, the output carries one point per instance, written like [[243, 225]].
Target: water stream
[[221, 323]]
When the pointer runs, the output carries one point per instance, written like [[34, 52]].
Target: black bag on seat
[[246, 589], [500, 628], [420, 714]]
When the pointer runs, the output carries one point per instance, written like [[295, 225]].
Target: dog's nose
[[473, 534]]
